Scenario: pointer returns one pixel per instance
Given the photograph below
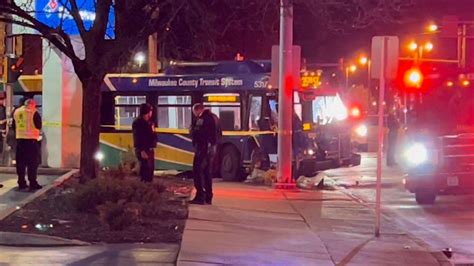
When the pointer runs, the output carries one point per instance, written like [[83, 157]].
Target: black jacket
[[392, 122], [206, 129], [144, 138]]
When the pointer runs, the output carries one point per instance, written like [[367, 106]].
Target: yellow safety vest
[[24, 124]]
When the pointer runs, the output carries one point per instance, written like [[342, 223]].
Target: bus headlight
[[416, 154], [362, 131]]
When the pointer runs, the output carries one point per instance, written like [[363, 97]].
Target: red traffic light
[[413, 78]]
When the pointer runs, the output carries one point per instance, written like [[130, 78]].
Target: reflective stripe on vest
[[25, 125]]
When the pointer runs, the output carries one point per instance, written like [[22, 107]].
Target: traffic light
[[12, 69]]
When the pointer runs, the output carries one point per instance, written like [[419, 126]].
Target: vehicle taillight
[[355, 112]]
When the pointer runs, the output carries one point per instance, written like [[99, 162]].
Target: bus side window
[[174, 111], [127, 108], [255, 113]]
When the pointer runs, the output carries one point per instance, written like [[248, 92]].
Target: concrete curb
[[35, 240], [38, 193]]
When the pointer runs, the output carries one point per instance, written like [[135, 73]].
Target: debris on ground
[[311, 182], [262, 177]]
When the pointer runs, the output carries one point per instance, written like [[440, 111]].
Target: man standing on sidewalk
[[27, 125], [206, 134], [144, 140]]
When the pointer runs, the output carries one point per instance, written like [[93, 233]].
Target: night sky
[[325, 46]]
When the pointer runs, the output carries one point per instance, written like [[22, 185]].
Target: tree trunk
[[90, 128]]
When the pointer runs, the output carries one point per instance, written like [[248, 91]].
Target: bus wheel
[[425, 197], [230, 167]]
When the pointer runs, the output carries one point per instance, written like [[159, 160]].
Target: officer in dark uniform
[[144, 141], [3, 127], [393, 124], [206, 134]]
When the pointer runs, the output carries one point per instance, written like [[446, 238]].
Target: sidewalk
[[250, 225], [10, 197]]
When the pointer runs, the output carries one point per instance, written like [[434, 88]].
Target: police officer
[[27, 125], [393, 124], [206, 134], [144, 140], [3, 127]]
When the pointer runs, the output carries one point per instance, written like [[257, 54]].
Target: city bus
[[238, 92]]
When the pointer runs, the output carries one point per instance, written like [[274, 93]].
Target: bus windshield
[[328, 109]]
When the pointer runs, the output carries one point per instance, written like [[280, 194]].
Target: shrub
[[119, 202], [128, 162], [118, 216]]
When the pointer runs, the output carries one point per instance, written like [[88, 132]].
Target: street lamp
[[432, 28], [428, 46], [352, 68], [349, 69], [419, 49], [413, 46], [363, 60], [139, 58]]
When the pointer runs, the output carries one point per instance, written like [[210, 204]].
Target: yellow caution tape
[[58, 124], [186, 131]]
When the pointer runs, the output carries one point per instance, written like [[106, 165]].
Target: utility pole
[[10, 49], [153, 53], [285, 94]]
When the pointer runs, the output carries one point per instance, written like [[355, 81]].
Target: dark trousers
[[27, 159], [203, 169], [147, 166], [391, 149]]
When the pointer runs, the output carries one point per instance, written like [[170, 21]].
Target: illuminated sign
[[307, 82], [222, 98], [196, 82], [312, 80], [306, 126], [54, 13]]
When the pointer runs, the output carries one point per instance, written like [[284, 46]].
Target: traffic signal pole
[[285, 95], [10, 49], [381, 132]]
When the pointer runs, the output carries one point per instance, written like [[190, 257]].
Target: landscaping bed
[[110, 209]]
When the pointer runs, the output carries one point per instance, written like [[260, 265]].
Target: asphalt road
[[449, 223]]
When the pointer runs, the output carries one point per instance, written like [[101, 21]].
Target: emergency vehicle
[[439, 153]]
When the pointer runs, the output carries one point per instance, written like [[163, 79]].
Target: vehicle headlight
[[310, 151], [416, 154], [362, 131]]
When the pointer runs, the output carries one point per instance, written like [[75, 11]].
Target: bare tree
[[134, 22], [235, 25]]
